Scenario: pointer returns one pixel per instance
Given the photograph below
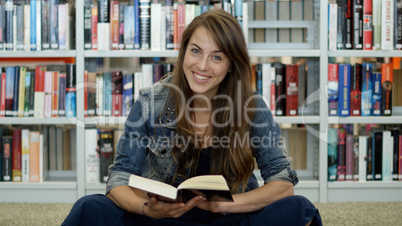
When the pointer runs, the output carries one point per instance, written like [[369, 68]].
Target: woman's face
[[205, 65]]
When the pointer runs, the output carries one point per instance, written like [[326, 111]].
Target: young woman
[[202, 119]]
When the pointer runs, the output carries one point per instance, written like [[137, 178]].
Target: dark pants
[[100, 210]]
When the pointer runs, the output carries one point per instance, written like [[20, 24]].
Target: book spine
[[341, 19], [181, 21], [27, 28], [48, 94], [367, 91], [25, 155], [16, 155], [358, 24], [367, 25], [377, 155], [348, 34], [266, 82], [333, 89], [53, 24], [355, 158], [3, 96], [105, 153], [137, 41], [129, 27], [395, 153], [39, 91], [94, 27], [362, 156], [7, 159], [31, 108], [145, 24], [103, 25], [333, 20], [99, 94], [16, 91], [91, 97], [71, 91], [34, 156], [292, 73], [21, 92], [87, 26], [62, 94], [387, 25], [273, 90], [332, 154], [27, 96], [387, 79], [85, 93], [38, 25], [2, 30], [117, 93], [9, 93], [91, 157], [156, 21], [8, 11], [55, 94], [398, 25], [280, 93], [387, 144], [400, 158], [45, 25], [127, 93], [355, 90], [376, 106], [114, 25], [349, 157], [341, 151], [107, 94], [258, 78], [62, 26], [169, 25], [344, 90], [377, 24], [121, 26], [369, 169]]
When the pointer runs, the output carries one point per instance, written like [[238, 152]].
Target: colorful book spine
[[39, 91], [355, 158], [129, 27], [106, 152], [387, 80], [341, 151], [137, 41], [55, 94], [398, 25], [128, 91], [387, 25], [3, 96], [107, 94], [355, 90], [376, 106], [21, 92], [7, 159], [99, 94], [333, 89], [117, 93], [344, 90], [62, 94], [16, 155], [27, 94], [9, 91], [25, 155], [367, 24], [349, 157], [358, 24], [2, 30], [121, 25], [87, 26], [292, 89], [114, 25], [94, 27], [145, 24], [48, 94], [71, 91], [53, 24], [367, 90], [16, 90], [34, 156]]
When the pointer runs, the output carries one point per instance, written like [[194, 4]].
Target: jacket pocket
[[160, 158]]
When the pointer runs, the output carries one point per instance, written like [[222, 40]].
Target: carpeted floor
[[331, 213]]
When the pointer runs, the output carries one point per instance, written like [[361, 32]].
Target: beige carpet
[[331, 213]]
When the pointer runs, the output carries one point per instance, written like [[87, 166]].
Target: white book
[[163, 28], [156, 27], [333, 21], [387, 25], [15, 27], [245, 21], [362, 158], [39, 104], [91, 156], [99, 94], [48, 94], [38, 25], [386, 155], [67, 26], [147, 75], [266, 82], [103, 36], [25, 154], [27, 28], [190, 13], [137, 84], [62, 17]]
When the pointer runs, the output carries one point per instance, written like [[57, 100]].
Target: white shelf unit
[[317, 190]]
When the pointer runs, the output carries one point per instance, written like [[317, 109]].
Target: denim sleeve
[[132, 147], [269, 147]]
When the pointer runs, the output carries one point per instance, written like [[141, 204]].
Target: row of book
[[113, 93], [365, 25], [45, 91], [28, 153], [100, 149], [360, 89], [37, 25], [374, 156], [115, 25]]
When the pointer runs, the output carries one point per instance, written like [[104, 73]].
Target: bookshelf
[[313, 181]]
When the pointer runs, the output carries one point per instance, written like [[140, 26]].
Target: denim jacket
[[145, 147]]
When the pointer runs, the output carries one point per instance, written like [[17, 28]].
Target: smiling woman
[[221, 126]]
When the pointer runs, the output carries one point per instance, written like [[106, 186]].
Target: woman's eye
[[195, 51], [217, 58]]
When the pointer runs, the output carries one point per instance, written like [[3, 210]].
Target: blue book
[[62, 94], [71, 104], [10, 74], [344, 90], [107, 94], [137, 24], [129, 27], [127, 93], [16, 90], [32, 25], [239, 11], [376, 83], [367, 91]]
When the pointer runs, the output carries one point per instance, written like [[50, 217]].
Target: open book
[[213, 187]]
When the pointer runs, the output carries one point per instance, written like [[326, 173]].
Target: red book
[[85, 93], [367, 25], [16, 155], [114, 25], [40, 79], [117, 93], [39, 95], [292, 78], [175, 28], [3, 95], [55, 96], [94, 27], [400, 158], [355, 90], [341, 149], [181, 21], [272, 101], [333, 89], [387, 80]]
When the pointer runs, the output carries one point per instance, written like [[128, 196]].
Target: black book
[[280, 89], [103, 11], [369, 159], [358, 24], [106, 153], [145, 24], [16, 90], [8, 11], [377, 155], [87, 27], [70, 74], [31, 94], [341, 19], [398, 25], [395, 154], [45, 25], [6, 158], [53, 24]]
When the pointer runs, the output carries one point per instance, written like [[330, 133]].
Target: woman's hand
[[214, 206], [160, 209]]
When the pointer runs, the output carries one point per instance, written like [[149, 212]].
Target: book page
[[207, 182], [153, 186]]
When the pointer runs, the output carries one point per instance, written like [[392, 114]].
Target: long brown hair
[[234, 162]]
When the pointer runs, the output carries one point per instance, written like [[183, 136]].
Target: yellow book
[[21, 92]]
